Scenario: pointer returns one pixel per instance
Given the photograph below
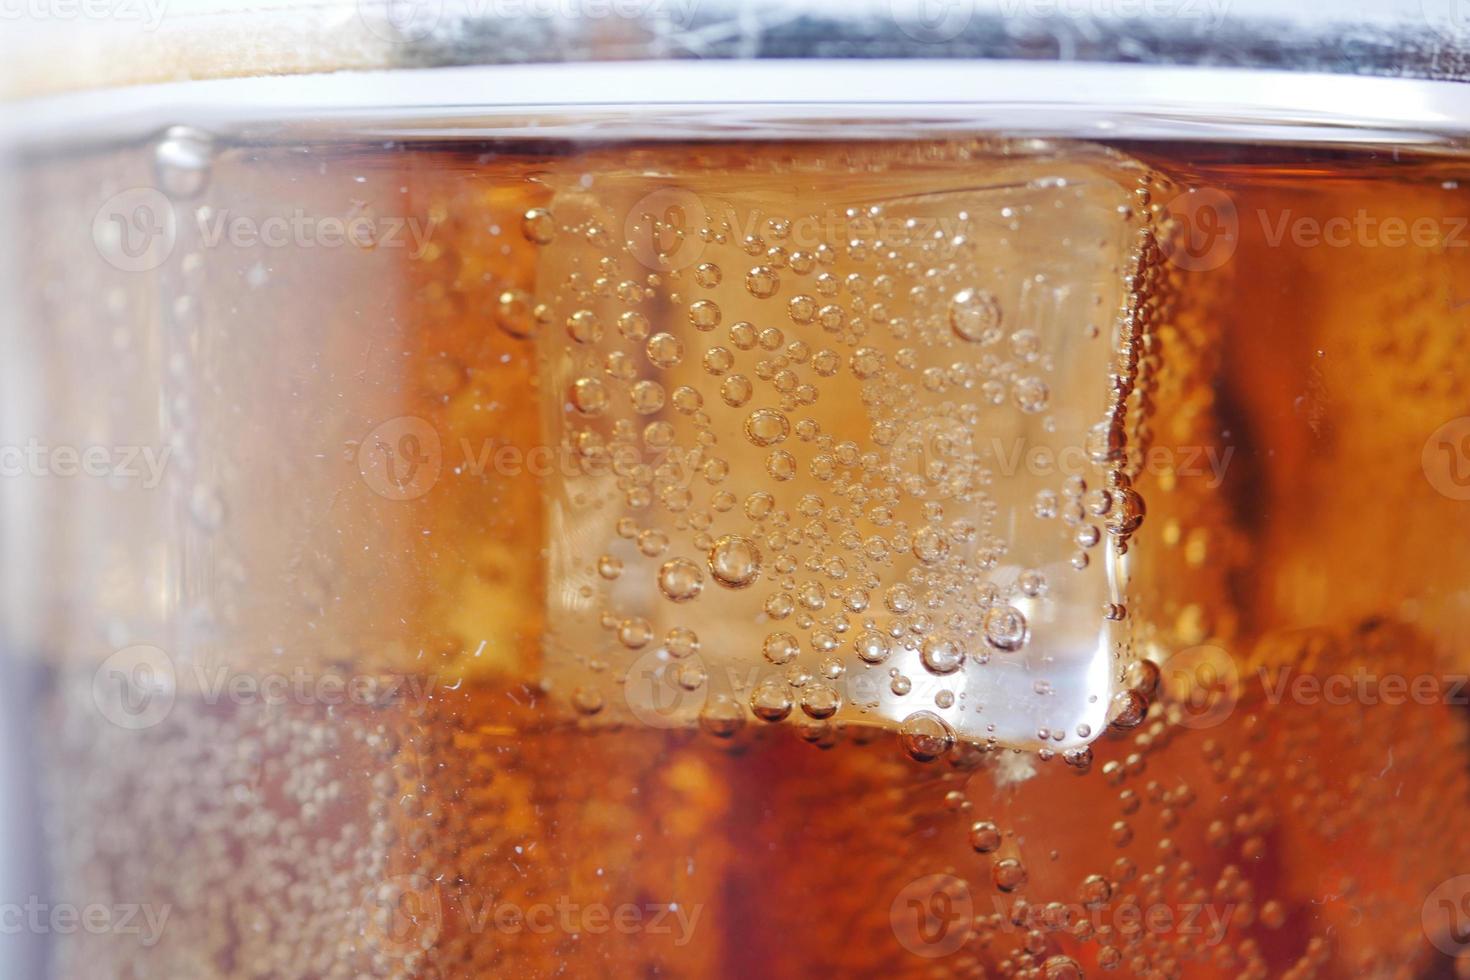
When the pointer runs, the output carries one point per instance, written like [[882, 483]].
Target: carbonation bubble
[[1061, 968], [820, 701], [930, 545], [708, 275], [734, 561], [633, 325], [942, 654], [780, 648], [587, 700], [589, 396], [609, 567], [718, 360], [647, 397], [975, 315], [513, 313], [736, 390], [584, 327], [771, 700], [538, 226], [1031, 583], [1005, 628], [1127, 512], [680, 579], [802, 309], [766, 427], [758, 506], [762, 282], [984, 837], [704, 314], [1008, 874], [781, 465], [664, 350], [1095, 891], [681, 642], [872, 647], [1032, 395], [722, 716], [1127, 710], [634, 633], [926, 736]]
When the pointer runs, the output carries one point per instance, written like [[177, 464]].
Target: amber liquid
[[479, 821]]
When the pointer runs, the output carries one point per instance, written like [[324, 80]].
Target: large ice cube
[[825, 416]]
